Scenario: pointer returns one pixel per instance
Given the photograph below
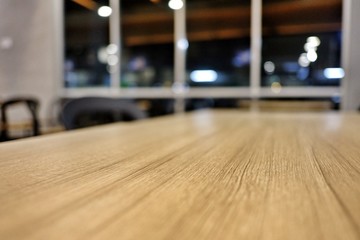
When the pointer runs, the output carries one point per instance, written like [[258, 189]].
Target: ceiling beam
[[89, 4]]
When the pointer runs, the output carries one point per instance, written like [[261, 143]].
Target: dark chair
[[91, 111], [32, 104]]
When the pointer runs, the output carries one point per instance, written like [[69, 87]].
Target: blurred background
[[168, 56]]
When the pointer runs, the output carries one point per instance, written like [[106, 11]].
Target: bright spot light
[[112, 60], [183, 44], [102, 55], [104, 11], [334, 73], [112, 49], [303, 60], [176, 4], [276, 87], [312, 55], [269, 67], [203, 76], [309, 47], [313, 41]]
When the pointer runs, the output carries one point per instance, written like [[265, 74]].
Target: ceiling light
[[104, 11], [176, 4]]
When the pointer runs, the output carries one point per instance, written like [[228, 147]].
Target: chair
[[32, 104], [91, 111]]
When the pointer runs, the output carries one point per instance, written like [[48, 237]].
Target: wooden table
[[205, 175]]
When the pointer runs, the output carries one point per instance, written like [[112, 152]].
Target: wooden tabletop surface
[[205, 175]]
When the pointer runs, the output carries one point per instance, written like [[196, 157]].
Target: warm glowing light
[[104, 11], [176, 4], [203, 76], [334, 73], [312, 55], [303, 60], [269, 67], [276, 87]]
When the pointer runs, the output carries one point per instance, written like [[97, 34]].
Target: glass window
[[301, 43], [219, 43], [86, 41], [148, 44]]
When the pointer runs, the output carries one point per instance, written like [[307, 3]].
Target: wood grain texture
[[205, 175]]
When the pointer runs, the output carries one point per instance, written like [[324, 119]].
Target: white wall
[[351, 55], [30, 50]]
